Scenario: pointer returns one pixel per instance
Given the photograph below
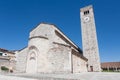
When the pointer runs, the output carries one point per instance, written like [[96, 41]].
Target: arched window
[[32, 56], [86, 12]]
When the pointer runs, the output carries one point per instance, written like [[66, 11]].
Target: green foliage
[[4, 68], [109, 71]]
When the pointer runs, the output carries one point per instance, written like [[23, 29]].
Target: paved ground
[[81, 76]]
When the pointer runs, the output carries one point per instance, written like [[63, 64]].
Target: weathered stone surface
[[89, 38], [49, 51], [21, 60], [79, 64], [60, 59]]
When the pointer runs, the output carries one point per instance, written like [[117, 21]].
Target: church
[[50, 51]]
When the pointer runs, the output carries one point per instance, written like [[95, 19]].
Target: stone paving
[[81, 76]]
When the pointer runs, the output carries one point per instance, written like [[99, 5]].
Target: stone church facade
[[50, 51]]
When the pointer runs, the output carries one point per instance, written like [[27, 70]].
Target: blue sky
[[18, 17]]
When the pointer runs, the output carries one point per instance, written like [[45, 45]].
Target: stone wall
[[60, 59], [53, 56], [79, 64], [89, 39], [42, 47], [48, 51], [21, 58]]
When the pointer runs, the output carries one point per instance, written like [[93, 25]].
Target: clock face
[[86, 19]]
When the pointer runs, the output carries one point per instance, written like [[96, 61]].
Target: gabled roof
[[63, 35]]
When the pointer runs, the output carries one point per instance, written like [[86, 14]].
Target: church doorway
[[91, 68], [31, 63]]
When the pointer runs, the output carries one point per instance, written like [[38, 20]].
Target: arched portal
[[32, 60]]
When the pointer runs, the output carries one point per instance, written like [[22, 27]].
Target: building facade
[[110, 66], [50, 51], [7, 60], [89, 38]]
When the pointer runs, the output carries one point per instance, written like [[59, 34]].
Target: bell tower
[[89, 38]]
